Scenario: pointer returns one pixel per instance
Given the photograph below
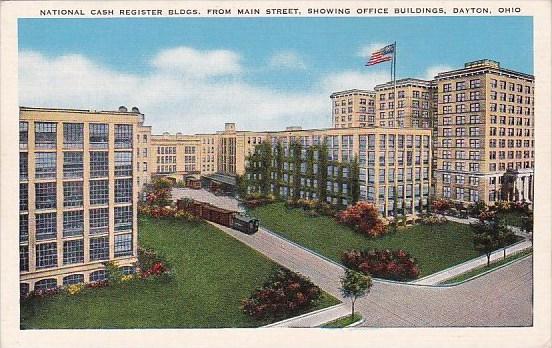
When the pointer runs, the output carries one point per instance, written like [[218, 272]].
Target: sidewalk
[[452, 272], [315, 319]]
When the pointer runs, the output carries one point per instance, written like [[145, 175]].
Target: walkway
[[452, 272], [500, 298]]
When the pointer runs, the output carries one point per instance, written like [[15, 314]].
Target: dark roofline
[[80, 111]]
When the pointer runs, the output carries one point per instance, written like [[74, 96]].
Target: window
[[73, 251], [23, 166], [447, 87], [72, 165], [475, 83], [23, 258], [73, 279], [46, 284], [123, 218], [99, 192], [45, 165], [123, 191], [460, 85], [99, 220], [99, 248], [123, 163], [99, 135], [73, 223], [98, 276], [99, 164], [23, 228], [46, 226], [45, 195], [123, 136], [45, 135], [23, 197], [72, 194], [126, 270], [23, 134], [46, 255], [123, 245], [73, 135]]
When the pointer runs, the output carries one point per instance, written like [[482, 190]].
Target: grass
[[492, 266], [436, 248], [513, 217], [213, 273], [343, 321]]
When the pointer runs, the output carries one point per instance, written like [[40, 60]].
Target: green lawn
[[435, 248], [483, 269], [513, 218], [213, 273], [343, 321]]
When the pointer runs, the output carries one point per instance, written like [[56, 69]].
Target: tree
[[505, 235], [355, 285], [527, 224], [486, 238]]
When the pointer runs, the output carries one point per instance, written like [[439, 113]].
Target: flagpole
[[395, 82]]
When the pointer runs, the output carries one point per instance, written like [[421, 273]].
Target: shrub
[[365, 218], [441, 205], [433, 220], [284, 294], [74, 289], [386, 264]]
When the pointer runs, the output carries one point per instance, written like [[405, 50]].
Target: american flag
[[382, 55]]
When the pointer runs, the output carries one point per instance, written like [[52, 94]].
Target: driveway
[[500, 298]]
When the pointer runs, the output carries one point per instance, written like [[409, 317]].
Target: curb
[[483, 257], [380, 280], [356, 323], [303, 315], [486, 272]]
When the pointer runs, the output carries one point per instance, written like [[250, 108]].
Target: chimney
[[122, 108]]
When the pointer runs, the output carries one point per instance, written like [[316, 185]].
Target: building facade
[[394, 166], [353, 108], [77, 194], [484, 134], [413, 108]]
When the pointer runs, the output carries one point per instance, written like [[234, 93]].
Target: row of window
[[46, 194], [73, 251], [402, 94], [73, 223], [73, 164], [461, 194], [45, 134]]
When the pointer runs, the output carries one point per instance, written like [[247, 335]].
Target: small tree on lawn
[[505, 235], [486, 238], [355, 285]]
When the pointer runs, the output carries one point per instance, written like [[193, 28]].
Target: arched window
[[46, 284], [73, 279], [97, 276]]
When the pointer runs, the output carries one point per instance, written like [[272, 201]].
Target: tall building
[[414, 105], [485, 134], [353, 108], [77, 194]]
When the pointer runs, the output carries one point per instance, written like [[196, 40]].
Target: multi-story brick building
[[485, 130], [77, 196], [394, 166], [414, 104], [353, 108]]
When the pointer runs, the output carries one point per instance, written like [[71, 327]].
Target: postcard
[[333, 174]]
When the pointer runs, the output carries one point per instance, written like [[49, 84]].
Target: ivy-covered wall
[[301, 172]]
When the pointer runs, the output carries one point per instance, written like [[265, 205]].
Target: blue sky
[[283, 69]]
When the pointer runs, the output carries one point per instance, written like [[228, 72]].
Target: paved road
[[501, 298]]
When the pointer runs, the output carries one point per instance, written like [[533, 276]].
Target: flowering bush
[[433, 220], [74, 289], [166, 212], [97, 284], [127, 277], [41, 293], [365, 218], [441, 205], [487, 216], [386, 264], [283, 294]]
